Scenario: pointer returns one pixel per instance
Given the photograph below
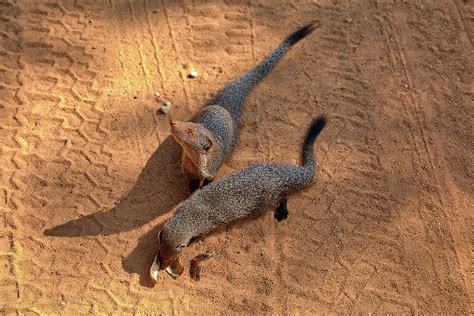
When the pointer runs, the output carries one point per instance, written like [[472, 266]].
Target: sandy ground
[[387, 227]]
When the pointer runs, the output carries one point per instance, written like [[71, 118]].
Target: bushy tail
[[233, 95], [316, 127]]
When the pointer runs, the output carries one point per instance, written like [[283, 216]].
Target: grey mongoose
[[247, 192], [209, 141]]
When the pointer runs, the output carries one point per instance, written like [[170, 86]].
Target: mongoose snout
[[193, 137]]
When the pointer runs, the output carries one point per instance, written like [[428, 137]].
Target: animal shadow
[[159, 187], [140, 259]]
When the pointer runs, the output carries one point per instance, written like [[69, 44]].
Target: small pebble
[[193, 74], [156, 94], [165, 107], [348, 19], [63, 303]]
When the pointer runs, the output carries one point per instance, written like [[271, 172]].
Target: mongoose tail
[[317, 126], [232, 97], [298, 178]]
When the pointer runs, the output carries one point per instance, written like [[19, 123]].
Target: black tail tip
[[303, 32], [317, 126], [320, 122]]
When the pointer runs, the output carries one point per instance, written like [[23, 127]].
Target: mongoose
[[244, 193], [209, 141]]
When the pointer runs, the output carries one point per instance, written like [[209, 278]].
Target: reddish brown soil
[[386, 228]]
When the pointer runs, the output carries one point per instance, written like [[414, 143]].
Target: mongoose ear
[[159, 235], [208, 144]]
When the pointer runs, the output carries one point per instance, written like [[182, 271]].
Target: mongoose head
[[195, 139], [174, 238]]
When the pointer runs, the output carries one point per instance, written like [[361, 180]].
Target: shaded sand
[[386, 228]]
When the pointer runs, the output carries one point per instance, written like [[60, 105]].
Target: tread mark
[[463, 22]]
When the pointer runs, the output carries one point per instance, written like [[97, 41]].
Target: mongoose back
[[247, 192], [209, 141]]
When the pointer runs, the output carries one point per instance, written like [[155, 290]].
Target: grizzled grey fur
[[238, 195], [208, 145]]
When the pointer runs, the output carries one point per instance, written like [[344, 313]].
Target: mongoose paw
[[281, 213], [280, 216], [176, 268], [155, 267], [195, 272], [196, 264]]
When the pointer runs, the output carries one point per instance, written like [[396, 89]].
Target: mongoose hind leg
[[281, 212]]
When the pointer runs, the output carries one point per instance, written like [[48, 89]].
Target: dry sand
[[387, 227]]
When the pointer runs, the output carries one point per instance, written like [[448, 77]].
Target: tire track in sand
[[11, 86]]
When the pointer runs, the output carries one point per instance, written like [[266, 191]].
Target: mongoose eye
[[181, 247]]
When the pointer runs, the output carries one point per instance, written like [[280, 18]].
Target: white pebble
[[193, 73], [165, 107], [156, 94]]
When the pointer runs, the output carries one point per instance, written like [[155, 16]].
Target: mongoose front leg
[[205, 182], [192, 173], [196, 264], [176, 268], [194, 184], [155, 267], [281, 212]]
